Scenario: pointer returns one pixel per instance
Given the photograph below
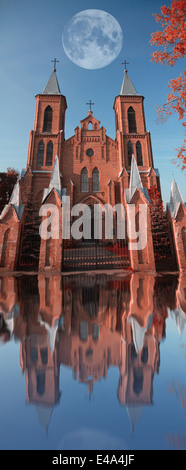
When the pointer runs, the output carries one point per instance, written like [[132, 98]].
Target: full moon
[[92, 39]]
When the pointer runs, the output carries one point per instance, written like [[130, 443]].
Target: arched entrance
[[95, 252], [92, 239], [5, 251]]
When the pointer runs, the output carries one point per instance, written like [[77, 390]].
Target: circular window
[[90, 152]]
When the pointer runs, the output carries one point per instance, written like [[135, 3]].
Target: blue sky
[[31, 36]]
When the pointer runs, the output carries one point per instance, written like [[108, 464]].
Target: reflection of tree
[[180, 392], [176, 440], [183, 346]]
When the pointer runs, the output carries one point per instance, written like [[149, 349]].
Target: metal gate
[[164, 250], [93, 255], [28, 257]]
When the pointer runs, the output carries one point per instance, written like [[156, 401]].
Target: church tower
[[131, 133], [48, 135], [94, 169]]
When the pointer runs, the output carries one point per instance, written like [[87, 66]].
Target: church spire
[[15, 202], [127, 86], [52, 86], [175, 198], [135, 178], [135, 182], [55, 182]]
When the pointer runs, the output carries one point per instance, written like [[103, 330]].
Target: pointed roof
[[52, 331], [52, 87], [15, 196], [175, 199], [55, 182], [135, 178], [127, 86], [180, 319], [15, 202], [139, 332], [135, 182], [134, 413], [44, 413]]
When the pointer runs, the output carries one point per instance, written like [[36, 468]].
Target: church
[[90, 168]]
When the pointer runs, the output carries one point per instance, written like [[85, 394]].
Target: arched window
[[40, 155], [83, 330], [140, 252], [138, 380], [116, 120], [139, 153], [130, 151], [44, 356], [84, 181], [90, 125], [95, 332], [47, 125], [34, 354], [49, 155], [40, 380], [95, 180], [131, 120], [183, 234], [5, 249], [47, 253], [144, 355]]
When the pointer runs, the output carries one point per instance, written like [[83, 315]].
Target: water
[[93, 362]]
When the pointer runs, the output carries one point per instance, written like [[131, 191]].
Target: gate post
[[142, 259], [50, 258]]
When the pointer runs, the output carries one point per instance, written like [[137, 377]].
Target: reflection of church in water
[[90, 323]]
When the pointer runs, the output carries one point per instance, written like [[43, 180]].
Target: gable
[[139, 197], [90, 120], [53, 198], [181, 213], [8, 214]]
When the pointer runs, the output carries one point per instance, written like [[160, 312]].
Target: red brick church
[[91, 168]]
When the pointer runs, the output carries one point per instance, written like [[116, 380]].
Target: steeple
[[127, 88], [135, 182], [55, 178], [49, 127], [52, 86], [132, 137], [15, 202], [175, 198], [135, 178], [55, 182]]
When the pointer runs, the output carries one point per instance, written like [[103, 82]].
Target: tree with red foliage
[[7, 181], [161, 233], [172, 40]]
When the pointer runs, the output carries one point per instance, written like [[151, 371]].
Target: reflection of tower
[[139, 349], [90, 323], [9, 309], [38, 353], [180, 311], [164, 298], [94, 342], [41, 374]]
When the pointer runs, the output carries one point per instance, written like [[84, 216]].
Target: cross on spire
[[90, 104], [125, 64], [55, 60]]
